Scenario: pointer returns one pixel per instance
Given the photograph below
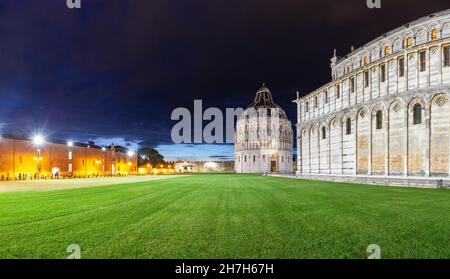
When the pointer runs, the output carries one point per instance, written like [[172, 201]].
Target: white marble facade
[[386, 110]]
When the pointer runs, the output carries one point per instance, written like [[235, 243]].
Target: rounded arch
[[439, 99], [348, 114], [445, 30], [356, 62], [396, 105], [375, 53], [421, 35], [417, 99], [335, 121], [397, 45], [363, 112], [378, 107]]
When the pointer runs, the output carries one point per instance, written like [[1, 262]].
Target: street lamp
[[104, 160], [38, 141], [131, 154]]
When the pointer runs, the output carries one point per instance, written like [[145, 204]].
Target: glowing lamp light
[[70, 143], [38, 140], [130, 153], [103, 148]]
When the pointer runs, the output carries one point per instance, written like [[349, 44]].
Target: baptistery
[[263, 138]]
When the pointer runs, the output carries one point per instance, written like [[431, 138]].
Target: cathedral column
[[329, 148], [405, 141], [299, 152], [369, 148], [355, 138], [427, 142], [341, 146], [318, 149], [309, 151], [386, 144]]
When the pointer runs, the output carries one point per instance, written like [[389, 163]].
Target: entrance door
[[273, 166]]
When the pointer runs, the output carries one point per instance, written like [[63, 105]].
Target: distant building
[[264, 138], [21, 159], [203, 166]]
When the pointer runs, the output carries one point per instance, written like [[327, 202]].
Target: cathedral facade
[[263, 137], [386, 110]]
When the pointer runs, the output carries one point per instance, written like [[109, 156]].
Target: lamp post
[[131, 154], [104, 160], [38, 141]]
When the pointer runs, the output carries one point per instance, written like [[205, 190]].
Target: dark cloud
[[117, 69]]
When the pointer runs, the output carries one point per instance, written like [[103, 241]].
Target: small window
[[352, 85], [82, 162], [324, 133], [379, 120], [338, 91], [446, 56], [70, 155], [254, 158], [423, 61], [417, 117], [70, 167], [387, 51], [264, 158], [325, 96], [307, 107], [383, 72], [315, 102], [366, 60], [401, 67], [366, 79], [434, 34], [348, 126], [20, 160], [409, 42], [245, 159]]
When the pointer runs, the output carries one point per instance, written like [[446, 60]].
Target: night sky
[[114, 70]]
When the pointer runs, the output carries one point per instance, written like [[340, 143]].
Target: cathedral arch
[[417, 137], [439, 134], [362, 141], [397, 142]]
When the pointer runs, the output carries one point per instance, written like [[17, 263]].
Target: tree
[[151, 156]]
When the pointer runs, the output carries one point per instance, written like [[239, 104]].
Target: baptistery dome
[[264, 138]]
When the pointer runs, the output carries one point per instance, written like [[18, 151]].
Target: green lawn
[[227, 216]]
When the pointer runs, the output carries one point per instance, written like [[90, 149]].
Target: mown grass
[[227, 216]]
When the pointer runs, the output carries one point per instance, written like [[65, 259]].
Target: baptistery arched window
[[324, 133], [348, 126], [379, 120], [417, 114]]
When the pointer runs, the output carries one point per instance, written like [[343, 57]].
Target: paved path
[[50, 185]]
